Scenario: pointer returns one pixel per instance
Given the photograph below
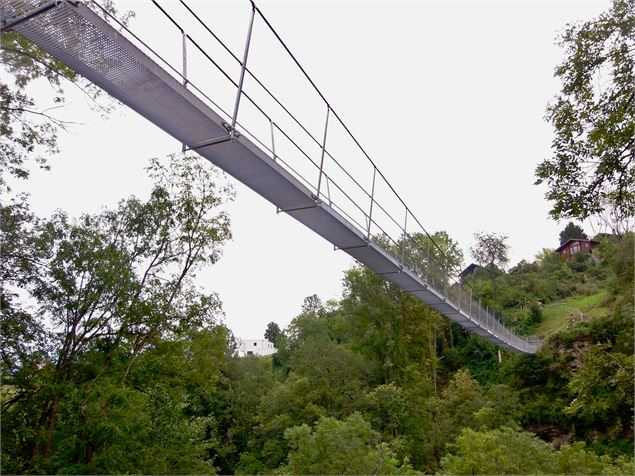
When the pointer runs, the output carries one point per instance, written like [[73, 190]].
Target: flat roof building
[[255, 347]]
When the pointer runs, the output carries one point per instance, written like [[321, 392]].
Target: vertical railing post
[[326, 128], [463, 294], [429, 266], [445, 277], [487, 318], [273, 143], [405, 237], [480, 313], [372, 200], [427, 262], [184, 51], [243, 67]]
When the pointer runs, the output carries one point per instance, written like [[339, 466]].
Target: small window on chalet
[[255, 344], [249, 352]]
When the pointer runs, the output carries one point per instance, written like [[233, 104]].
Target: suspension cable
[[452, 266], [306, 75]]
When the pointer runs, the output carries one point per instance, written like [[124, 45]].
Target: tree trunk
[[52, 421]]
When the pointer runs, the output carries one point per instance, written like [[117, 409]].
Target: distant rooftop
[[573, 240], [260, 347]]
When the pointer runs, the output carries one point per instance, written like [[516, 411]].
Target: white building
[[255, 347]]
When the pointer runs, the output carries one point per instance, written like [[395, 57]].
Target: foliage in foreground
[[506, 451], [349, 446], [85, 303], [375, 380], [592, 168]]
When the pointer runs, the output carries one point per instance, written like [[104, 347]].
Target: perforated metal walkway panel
[[83, 40]]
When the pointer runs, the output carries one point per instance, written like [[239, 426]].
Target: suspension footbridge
[[296, 171]]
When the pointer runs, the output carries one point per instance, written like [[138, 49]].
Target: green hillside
[[565, 314], [375, 382]]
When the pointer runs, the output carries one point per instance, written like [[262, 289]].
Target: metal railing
[[376, 210]]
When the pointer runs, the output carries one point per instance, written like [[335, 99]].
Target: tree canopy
[[490, 249], [506, 451], [592, 166], [350, 446], [77, 294], [272, 332], [572, 231]]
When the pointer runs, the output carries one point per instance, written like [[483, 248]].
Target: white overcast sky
[[447, 97]]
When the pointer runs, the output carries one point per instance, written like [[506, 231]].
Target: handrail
[[428, 260], [408, 242]]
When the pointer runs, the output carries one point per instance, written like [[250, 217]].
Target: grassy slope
[[557, 316]]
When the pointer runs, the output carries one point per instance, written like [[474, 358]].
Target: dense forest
[[375, 383], [114, 361]]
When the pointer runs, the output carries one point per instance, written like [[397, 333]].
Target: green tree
[[289, 404], [154, 421], [234, 406], [502, 408], [272, 332], [347, 446], [399, 414], [602, 389], [391, 329], [311, 322], [120, 280], [455, 408], [325, 379], [89, 303], [572, 231], [429, 253], [500, 451], [549, 261], [336, 373], [387, 409], [620, 258], [507, 451], [576, 459], [490, 249], [592, 167]]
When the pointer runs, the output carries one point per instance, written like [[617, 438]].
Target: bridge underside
[[93, 48]]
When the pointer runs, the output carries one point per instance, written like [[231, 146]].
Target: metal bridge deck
[[80, 38]]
